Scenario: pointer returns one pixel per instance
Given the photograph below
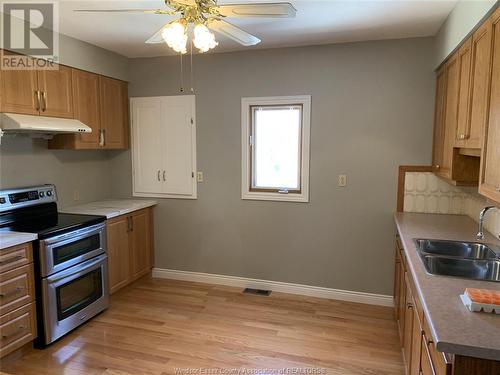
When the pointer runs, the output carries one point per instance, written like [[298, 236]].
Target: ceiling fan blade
[[270, 10], [233, 32], [156, 37], [150, 11]]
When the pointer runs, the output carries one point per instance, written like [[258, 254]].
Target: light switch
[[199, 176], [76, 195], [342, 180]]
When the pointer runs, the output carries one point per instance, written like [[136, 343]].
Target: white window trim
[[305, 100]]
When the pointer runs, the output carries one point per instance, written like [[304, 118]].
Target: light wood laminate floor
[[160, 326]]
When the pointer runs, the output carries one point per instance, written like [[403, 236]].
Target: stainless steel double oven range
[[71, 278]]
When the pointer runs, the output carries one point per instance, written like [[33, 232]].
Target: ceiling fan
[[204, 15]]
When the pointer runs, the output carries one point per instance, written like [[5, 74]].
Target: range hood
[[26, 124]]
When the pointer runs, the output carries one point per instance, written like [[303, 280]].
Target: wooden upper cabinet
[[437, 157], [464, 62], [480, 81], [19, 91], [56, 92], [490, 162], [452, 68], [114, 113], [86, 102], [86, 108]]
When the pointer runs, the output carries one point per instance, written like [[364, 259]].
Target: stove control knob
[[49, 193], [42, 194]]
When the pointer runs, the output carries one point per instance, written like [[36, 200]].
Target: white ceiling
[[317, 22]]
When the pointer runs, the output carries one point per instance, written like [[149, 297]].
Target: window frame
[[247, 126]]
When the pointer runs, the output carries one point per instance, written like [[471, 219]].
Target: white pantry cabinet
[[164, 146]]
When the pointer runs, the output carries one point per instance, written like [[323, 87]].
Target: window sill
[[277, 197]]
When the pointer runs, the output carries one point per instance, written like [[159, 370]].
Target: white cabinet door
[[164, 146], [178, 135], [146, 143]]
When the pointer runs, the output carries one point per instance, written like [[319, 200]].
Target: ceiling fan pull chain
[[182, 76], [191, 68]]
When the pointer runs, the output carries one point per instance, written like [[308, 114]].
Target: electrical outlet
[[76, 195], [342, 180], [199, 176]]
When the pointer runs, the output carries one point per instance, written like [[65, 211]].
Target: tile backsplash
[[426, 193]]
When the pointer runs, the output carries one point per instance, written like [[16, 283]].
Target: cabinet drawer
[[439, 361], [17, 328], [15, 256], [16, 288]]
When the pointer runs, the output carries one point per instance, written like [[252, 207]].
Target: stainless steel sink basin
[[471, 260], [488, 270], [470, 250]]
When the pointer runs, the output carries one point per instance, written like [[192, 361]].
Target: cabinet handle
[[437, 166], [158, 175], [164, 179], [131, 223], [11, 259], [102, 137], [409, 306], [44, 101], [37, 100]]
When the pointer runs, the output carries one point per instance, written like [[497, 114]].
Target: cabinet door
[[19, 91], [86, 97], [416, 343], [408, 326], [397, 288], [490, 168], [179, 153], [140, 243], [118, 253], [464, 62], [114, 112], [450, 114], [480, 80], [147, 167], [437, 157], [57, 92]]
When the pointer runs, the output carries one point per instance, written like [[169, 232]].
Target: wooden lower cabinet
[[130, 248], [17, 298], [418, 348]]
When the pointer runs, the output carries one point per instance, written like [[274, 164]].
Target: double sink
[[471, 260]]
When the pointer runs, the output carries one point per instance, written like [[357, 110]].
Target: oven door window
[[78, 293], [74, 249]]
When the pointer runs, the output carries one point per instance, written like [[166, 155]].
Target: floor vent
[[259, 292]]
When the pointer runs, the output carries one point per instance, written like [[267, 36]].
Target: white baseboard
[[276, 286]]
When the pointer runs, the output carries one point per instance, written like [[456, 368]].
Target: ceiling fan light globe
[[204, 40], [175, 36]]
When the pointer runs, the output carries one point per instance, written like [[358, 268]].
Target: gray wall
[[26, 162], [85, 56], [372, 106], [464, 17]]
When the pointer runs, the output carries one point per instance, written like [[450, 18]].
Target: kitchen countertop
[[109, 207], [8, 239], [454, 328]]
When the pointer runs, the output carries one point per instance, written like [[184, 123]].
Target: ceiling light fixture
[[204, 40], [175, 35]]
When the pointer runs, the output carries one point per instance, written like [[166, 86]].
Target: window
[[275, 148]]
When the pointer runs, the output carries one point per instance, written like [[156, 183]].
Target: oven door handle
[[76, 235], [80, 268]]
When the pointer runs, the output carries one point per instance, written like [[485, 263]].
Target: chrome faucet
[[480, 234]]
